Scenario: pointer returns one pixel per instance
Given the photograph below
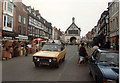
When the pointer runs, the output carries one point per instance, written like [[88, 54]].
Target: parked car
[[104, 66], [50, 54]]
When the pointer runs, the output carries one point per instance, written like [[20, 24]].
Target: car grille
[[43, 59]]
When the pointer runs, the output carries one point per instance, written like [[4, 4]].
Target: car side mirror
[[92, 59]]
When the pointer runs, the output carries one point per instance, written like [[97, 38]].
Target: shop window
[[9, 21]]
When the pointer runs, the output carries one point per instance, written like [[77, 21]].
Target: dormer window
[[34, 13], [38, 16], [29, 9], [44, 21]]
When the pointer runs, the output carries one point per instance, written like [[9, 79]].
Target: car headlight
[[111, 81], [35, 57], [54, 59], [108, 81], [50, 60]]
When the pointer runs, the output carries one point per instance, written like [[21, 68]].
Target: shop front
[[8, 35], [114, 39], [0, 43]]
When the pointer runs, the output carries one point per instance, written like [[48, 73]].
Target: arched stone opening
[[73, 39]]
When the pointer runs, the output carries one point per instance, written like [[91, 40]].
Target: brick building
[[7, 31], [1, 18], [56, 33], [20, 20]]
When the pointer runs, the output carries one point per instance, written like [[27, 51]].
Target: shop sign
[[22, 37], [0, 34], [113, 34], [7, 33], [46, 37], [7, 38]]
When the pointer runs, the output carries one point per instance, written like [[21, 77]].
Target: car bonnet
[[47, 54], [110, 72]]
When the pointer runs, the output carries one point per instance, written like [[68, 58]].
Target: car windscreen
[[51, 47], [109, 59]]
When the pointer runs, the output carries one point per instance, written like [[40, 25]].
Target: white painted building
[[8, 15], [72, 34]]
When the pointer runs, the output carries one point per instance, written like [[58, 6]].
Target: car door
[[96, 70], [91, 62]]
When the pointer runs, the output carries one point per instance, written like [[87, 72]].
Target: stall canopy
[[38, 39]]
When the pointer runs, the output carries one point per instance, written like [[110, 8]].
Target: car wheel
[[63, 59], [36, 64]]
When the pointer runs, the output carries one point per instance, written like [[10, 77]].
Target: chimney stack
[[73, 20]]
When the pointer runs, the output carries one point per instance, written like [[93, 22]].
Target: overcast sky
[[60, 12]]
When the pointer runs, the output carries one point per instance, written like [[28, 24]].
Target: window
[[117, 22], [19, 29], [73, 31], [4, 5], [4, 21], [9, 7], [34, 31], [20, 18], [34, 13], [24, 30], [29, 10], [29, 19], [24, 20], [29, 30], [39, 16], [9, 21]]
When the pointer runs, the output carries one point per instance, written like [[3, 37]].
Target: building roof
[[73, 23]]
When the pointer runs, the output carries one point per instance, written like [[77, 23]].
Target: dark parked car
[[104, 66]]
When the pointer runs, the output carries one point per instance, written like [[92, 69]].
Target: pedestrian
[[113, 44], [53, 41], [26, 49], [82, 54], [107, 46]]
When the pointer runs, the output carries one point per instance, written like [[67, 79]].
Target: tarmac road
[[22, 69]]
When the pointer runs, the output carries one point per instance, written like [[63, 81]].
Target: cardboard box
[[6, 54]]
